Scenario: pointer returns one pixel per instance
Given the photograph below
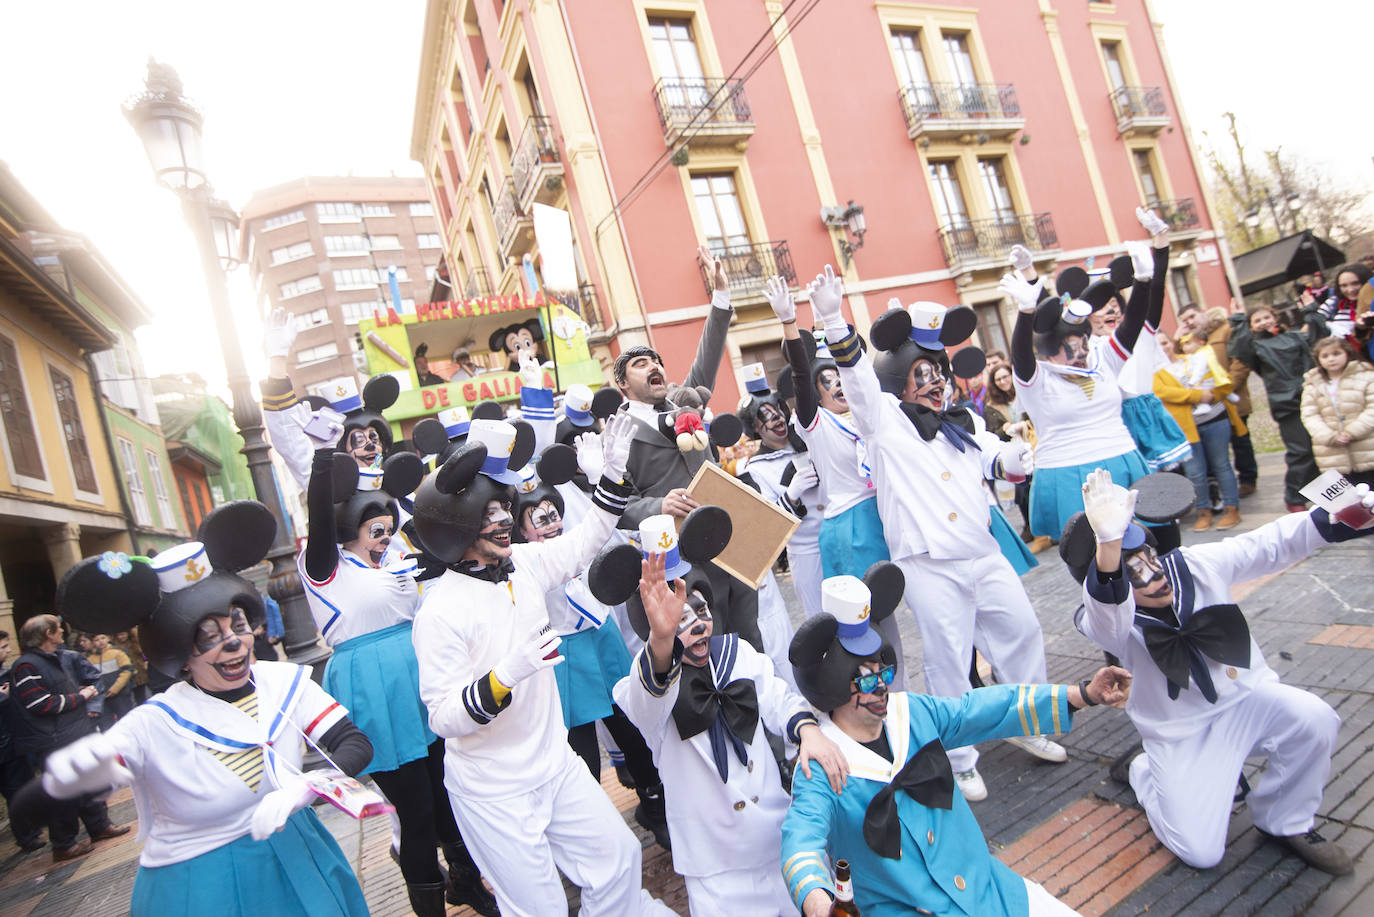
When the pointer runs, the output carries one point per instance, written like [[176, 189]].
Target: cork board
[[760, 528]]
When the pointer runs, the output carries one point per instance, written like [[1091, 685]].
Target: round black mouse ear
[[812, 640], [1163, 497], [345, 476], [606, 402], [783, 384], [968, 362], [522, 450], [239, 534], [1047, 315], [429, 436], [613, 575], [460, 468], [488, 410], [1099, 293], [890, 329], [536, 328], [726, 429], [402, 473], [704, 534], [496, 342], [380, 392], [1072, 280], [315, 402], [885, 584], [1077, 545], [557, 464], [808, 341], [959, 325], [1121, 272], [107, 594]]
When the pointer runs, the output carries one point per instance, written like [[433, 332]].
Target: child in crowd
[[1338, 410]]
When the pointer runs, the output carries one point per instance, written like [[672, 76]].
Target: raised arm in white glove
[[1022, 292], [279, 334], [1141, 260], [588, 446], [1109, 507], [531, 373], [827, 295], [1018, 460], [1021, 259], [1156, 227], [270, 815], [780, 298], [88, 765], [529, 657], [805, 479], [615, 446]]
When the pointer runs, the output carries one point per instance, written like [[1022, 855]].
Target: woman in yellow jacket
[[1338, 410], [1196, 389]]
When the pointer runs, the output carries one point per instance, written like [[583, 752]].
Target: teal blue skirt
[[297, 872], [377, 678], [852, 541], [594, 660], [1157, 435], [1013, 548], [1057, 493]]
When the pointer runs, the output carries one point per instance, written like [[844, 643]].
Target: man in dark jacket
[[15, 770], [49, 690]]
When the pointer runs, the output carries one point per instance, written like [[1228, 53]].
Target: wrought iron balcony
[[1139, 109], [1178, 212], [710, 110], [591, 309], [946, 110], [535, 167], [514, 226], [750, 266], [479, 284], [978, 244]]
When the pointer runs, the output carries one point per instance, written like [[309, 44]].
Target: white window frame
[[422, 209], [385, 243], [374, 209], [159, 482], [359, 252], [308, 356], [334, 212], [429, 240], [294, 285], [352, 284], [287, 257], [279, 220], [133, 481]]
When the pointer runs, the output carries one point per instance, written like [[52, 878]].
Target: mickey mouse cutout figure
[[517, 339]]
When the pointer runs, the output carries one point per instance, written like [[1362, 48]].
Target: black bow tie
[[956, 424], [730, 713], [926, 778], [498, 573], [1218, 632]]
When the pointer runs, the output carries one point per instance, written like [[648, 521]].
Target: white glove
[[1141, 259], [1021, 292], [531, 373], [804, 480], [827, 295], [279, 334], [588, 446], [894, 303], [780, 298], [615, 446], [1109, 507], [88, 765], [1151, 221], [528, 658], [1018, 460], [270, 815], [1021, 258]]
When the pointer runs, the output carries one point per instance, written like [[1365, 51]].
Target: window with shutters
[[14, 409], [164, 501], [69, 415], [133, 481]]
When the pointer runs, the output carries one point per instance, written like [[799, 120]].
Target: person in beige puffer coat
[[1338, 410]]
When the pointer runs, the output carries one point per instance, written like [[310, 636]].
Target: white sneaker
[[1041, 747], [971, 785]]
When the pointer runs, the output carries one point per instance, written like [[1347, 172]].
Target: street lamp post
[[169, 125], [1288, 199]]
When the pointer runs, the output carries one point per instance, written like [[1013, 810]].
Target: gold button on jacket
[[959, 883]]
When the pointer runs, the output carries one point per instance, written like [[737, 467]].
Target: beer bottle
[[844, 905]]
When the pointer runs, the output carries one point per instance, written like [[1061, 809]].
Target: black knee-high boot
[[465, 881], [427, 899]]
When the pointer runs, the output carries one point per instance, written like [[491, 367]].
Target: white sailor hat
[[181, 566], [755, 379], [499, 438], [658, 534], [455, 421], [577, 405], [529, 479], [848, 601], [370, 478], [927, 320], [342, 394]]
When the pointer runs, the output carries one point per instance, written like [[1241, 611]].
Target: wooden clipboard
[[761, 529]]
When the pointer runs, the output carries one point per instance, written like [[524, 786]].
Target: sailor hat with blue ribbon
[[499, 439], [342, 395], [848, 600], [658, 535], [455, 421], [927, 321], [577, 405], [756, 379], [181, 566]]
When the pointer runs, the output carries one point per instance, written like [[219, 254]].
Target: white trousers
[[1187, 787], [1043, 904], [776, 628], [806, 579], [758, 892], [569, 823], [958, 602]]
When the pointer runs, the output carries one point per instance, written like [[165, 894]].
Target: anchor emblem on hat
[[339, 390], [194, 571], [665, 541], [934, 322], [863, 614]]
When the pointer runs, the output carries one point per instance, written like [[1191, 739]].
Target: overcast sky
[[293, 87]]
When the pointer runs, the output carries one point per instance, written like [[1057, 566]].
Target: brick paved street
[[1067, 826]]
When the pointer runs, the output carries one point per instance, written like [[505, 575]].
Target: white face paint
[[222, 651], [694, 630]]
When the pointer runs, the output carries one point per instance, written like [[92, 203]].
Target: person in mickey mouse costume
[[523, 799], [214, 761], [929, 464]]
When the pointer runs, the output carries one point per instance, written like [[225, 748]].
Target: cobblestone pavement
[[1067, 826]]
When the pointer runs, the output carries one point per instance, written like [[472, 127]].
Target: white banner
[[553, 231]]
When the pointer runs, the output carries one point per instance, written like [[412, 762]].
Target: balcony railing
[[973, 241], [535, 161], [511, 222], [1179, 212], [591, 309], [952, 108], [750, 266], [1139, 109], [711, 110], [479, 284]]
